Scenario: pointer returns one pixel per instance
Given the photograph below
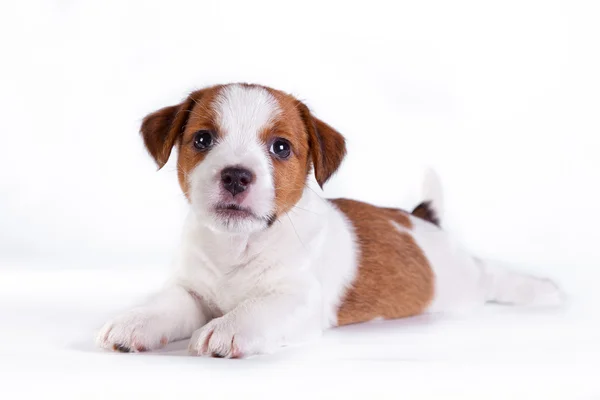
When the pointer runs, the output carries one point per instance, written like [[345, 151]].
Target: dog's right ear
[[162, 129], [327, 146]]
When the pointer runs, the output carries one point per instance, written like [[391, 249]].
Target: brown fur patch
[[394, 278], [168, 126], [289, 176], [161, 129], [311, 140], [200, 116], [327, 146]]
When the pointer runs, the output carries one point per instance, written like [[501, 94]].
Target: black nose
[[235, 180]]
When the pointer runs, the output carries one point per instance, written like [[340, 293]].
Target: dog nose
[[235, 179]]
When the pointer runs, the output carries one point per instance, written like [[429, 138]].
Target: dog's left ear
[[327, 146], [162, 128]]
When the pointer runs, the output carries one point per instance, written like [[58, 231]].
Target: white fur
[[245, 288]]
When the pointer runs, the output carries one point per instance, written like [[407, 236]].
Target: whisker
[[194, 100], [294, 227], [318, 195], [298, 188], [192, 112], [304, 209]]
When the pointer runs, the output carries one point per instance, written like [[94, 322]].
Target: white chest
[[227, 273]]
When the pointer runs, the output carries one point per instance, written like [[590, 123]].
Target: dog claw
[[121, 348]]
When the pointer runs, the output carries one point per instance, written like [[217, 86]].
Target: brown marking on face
[[289, 175], [394, 277], [201, 116], [172, 125], [313, 142]]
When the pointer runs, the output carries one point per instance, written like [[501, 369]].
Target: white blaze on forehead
[[243, 111]]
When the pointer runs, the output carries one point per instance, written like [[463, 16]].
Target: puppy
[[265, 261]]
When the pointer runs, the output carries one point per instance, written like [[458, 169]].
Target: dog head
[[244, 152]]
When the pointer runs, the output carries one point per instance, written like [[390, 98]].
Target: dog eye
[[203, 139], [281, 148]]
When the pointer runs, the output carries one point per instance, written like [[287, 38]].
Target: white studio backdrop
[[500, 97]]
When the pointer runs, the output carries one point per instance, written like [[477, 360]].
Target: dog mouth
[[234, 210], [237, 212]]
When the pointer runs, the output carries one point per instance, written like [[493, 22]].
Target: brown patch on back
[[394, 277]]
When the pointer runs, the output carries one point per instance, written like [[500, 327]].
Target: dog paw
[[224, 338], [134, 331]]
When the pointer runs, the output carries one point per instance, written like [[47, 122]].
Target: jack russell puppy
[[266, 262]]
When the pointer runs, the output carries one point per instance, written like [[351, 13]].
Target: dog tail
[[499, 284], [431, 208]]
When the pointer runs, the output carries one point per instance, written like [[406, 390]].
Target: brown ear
[[327, 146], [162, 129]]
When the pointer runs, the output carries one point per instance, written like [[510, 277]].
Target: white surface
[[48, 321]]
